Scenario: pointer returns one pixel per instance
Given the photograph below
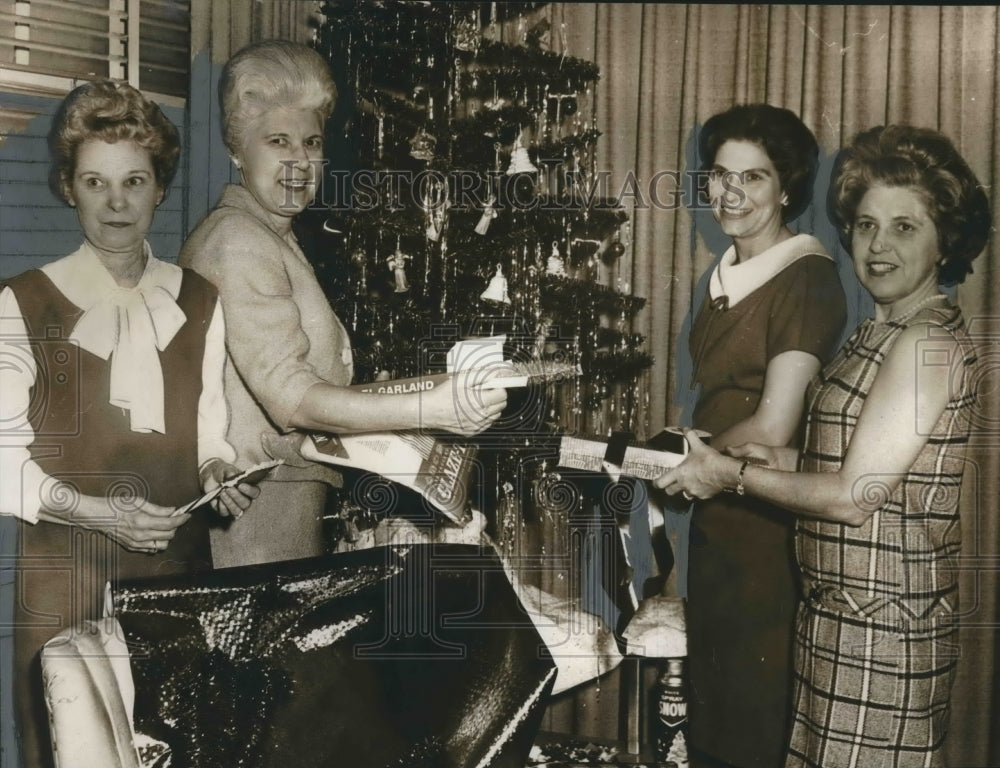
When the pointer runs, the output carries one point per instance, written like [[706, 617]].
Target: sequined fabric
[[393, 656]]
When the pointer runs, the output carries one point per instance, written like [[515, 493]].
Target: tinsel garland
[[437, 16], [618, 366], [611, 337], [474, 137], [563, 147], [485, 121], [431, 24], [392, 107], [572, 293], [535, 64], [546, 222], [501, 69]]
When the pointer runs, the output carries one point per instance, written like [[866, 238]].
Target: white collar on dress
[[737, 281], [129, 325]]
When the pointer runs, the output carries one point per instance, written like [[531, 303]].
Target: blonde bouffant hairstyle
[[269, 75]]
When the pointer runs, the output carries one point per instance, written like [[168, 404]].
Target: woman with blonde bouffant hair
[[289, 356]]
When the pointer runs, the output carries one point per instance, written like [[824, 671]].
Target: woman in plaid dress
[[878, 477]]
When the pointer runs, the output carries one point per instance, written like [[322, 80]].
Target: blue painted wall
[[209, 167]]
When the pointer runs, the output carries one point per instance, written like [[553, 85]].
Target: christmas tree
[[462, 189]]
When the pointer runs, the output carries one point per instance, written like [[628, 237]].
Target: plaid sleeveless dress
[[876, 645]]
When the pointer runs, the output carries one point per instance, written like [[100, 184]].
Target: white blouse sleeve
[[21, 479], [213, 414]]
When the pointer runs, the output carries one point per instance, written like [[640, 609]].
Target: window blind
[[49, 44]]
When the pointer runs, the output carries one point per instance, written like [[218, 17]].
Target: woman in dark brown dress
[[774, 311], [113, 415]]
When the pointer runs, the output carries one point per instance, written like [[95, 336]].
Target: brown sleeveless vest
[[82, 439]]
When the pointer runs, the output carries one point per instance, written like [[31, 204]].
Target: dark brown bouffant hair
[[110, 112], [926, 161], [781, 134]]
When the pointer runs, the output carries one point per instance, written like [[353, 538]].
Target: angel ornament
[[489, 213], [397, 263], [435, 208]]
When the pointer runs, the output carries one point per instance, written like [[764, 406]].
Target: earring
[[784, 201], [235, 160]]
